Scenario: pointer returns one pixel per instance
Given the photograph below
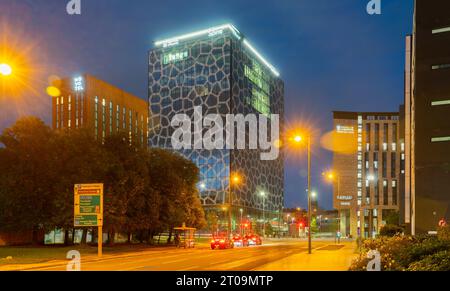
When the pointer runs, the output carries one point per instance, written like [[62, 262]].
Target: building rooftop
[[216, 30]]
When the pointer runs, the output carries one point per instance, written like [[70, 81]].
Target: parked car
[[221, 243]]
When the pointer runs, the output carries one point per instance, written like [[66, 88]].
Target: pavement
[[273, 255]]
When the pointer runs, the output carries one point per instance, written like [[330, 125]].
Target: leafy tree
[[27, 177]]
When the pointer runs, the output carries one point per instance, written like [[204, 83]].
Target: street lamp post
[[309, 195], [263, 195], [299, 139], [241, 211], [336, 177]]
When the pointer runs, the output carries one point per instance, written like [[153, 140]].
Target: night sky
[[332, 55]]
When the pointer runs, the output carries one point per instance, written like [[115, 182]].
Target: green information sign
[[88, 205], [86, 220]]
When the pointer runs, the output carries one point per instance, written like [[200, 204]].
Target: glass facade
[[218, 72]]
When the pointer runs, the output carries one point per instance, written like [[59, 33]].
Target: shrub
[[421, 249], [389, 248], [436, 262], [444, 233], [390, 230]]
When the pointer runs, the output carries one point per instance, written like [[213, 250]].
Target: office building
[[88, 102], [427, 118], [218, 70], [367, 171]]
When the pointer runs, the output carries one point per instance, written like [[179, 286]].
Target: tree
[[212, 222], [26, 178]]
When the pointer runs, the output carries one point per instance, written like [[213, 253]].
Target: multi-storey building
[[88, 102], [368, 170], [218, 70], [427, 118]]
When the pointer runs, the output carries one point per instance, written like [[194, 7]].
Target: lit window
[[441, 30], [440, 67], [440, 139], [440, 103], [385, 146], [394, 147], [403, 147]]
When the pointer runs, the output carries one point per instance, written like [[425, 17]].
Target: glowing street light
[[331, 176], [5, 69], [298, 139], [263, 195]]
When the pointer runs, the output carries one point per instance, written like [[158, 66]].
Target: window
[[69, 112], [76, 111], [62, 112], [377, 137], [377, 194], [103, 119], [117, 117], [385, 193], [393, 165], [440, 30], [384, 165], [57, 112], [110, 117], [96, 117], [394, 192], [440, 139], [440, 67], [440, 103], [124, 118]]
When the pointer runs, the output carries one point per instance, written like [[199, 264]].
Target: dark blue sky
[[331, 54]]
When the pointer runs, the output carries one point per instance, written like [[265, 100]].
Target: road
[[275, 256]]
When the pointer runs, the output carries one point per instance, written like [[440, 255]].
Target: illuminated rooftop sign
[[345, 129], [78, 84], [213, 31]]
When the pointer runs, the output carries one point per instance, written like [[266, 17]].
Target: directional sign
[[88, 205]]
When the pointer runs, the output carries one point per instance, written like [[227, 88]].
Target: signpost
[[88, 209]]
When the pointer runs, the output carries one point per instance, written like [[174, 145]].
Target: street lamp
[[336, 177], [298, 139], [235, 180], [5, 69], [241, 211], [263, 195]]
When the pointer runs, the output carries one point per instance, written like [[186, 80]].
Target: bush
[[390, 230], [420, 249], [388, 247], [444, 233], [436, 262]]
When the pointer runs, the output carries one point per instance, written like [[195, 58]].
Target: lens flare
[[53, 91], [5, 69]]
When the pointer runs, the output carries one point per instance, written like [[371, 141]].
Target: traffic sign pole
[[100, 241]]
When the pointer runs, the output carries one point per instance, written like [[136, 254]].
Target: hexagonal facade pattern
[[222, 74]]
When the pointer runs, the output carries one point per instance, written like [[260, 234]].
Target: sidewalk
[[329, 258]]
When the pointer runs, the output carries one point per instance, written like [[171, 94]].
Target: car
[[240, 241], [254, 240], [221, 243]]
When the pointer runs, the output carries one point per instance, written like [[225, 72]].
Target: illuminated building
[[85, 101], [219, 70], [369, 170], [427, 111]]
